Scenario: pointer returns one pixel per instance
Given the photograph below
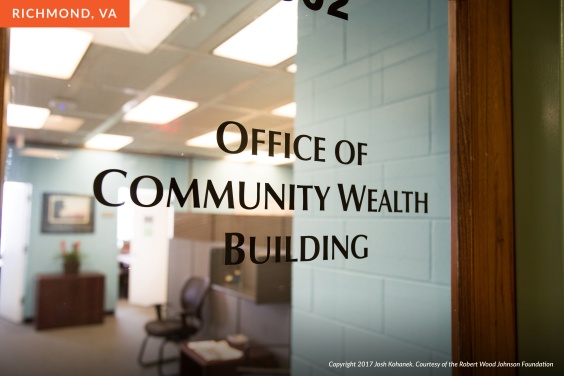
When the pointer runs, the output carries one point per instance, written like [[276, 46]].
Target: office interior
[[382, 77], [145, 255]]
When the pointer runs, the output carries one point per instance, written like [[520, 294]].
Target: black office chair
[[178, 327]]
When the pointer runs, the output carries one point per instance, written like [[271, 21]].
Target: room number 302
[[333, 10]]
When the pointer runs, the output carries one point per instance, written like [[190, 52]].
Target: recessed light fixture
[[26, 116], [108, 142], [288, 110], [209, 140], [62, 123], [159, 110], [292, 68], [151, 22], [50, 52], [268, 40]]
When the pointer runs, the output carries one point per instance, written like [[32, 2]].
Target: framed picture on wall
[[67, 213]]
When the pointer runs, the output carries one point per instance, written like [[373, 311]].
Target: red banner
[[64, 13]]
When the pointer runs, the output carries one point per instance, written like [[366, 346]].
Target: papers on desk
[[215, 350]]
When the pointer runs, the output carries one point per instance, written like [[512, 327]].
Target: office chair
[[180, 327]]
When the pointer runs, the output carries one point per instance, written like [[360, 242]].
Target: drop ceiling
[[181, 67]]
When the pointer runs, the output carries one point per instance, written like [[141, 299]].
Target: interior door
[[15, 239], [149, 252]]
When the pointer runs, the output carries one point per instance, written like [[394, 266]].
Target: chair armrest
[[196, 322], [159, 309]]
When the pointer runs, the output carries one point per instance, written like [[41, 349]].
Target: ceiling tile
[[275, 123], [100, 101], [35, 90], [269, 92], [208, 78], [183, 67], [215, 14], [210, 118], [106, 66], [130, 129]]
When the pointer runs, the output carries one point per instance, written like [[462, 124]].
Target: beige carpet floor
[[94, 350]]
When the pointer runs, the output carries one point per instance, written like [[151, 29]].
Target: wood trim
[[483, 252], [4, 96]]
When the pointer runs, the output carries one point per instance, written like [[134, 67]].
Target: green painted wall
[[76, 174], [538, 135]]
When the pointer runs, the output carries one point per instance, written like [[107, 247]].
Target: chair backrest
[[193, 294]]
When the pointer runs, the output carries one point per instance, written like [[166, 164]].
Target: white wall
[[380, 78]]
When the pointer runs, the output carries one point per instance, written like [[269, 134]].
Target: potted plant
[[71, 259]]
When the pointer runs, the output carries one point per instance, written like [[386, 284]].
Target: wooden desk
[[191, 364], [69, 299]]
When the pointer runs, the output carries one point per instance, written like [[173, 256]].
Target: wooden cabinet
[[67, 299]]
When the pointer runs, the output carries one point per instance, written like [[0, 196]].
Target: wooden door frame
[[482, 212], [483, 256], [4, 98]]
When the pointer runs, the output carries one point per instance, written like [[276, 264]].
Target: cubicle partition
[[257, 303]]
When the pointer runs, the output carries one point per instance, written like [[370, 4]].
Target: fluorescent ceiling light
[[44, 153], [292, 68], [159, 110], [288, 110], [50, 52], [151, 21], [209, 140], [108, 142], [268, 40], [27, 116], [63, 123]]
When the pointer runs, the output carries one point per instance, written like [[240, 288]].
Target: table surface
[[203, 362], [85, 274]]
